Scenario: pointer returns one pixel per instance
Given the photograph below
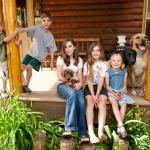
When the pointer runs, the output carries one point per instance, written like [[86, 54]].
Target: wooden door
[[26, 42]]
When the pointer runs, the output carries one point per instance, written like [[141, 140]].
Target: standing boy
[[3, 57], [42, 42]]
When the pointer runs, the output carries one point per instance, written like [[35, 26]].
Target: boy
[[3, 57], [42, 42]]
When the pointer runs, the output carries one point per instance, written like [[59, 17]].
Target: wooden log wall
[[95, 19]]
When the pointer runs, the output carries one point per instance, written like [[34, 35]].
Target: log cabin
[[86, 19]]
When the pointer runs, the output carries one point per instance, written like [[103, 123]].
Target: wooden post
[[87, 146], [122, 143], [1, 13], [68, 144], [147, 92], [13, 54], [39, 140], [30, 13]]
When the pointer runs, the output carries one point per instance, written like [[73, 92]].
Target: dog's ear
[[71, 72], [131, 40]]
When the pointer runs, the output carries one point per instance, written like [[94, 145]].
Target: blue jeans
[[75, 109]]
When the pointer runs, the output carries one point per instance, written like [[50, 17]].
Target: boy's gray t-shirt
[[42, 42]]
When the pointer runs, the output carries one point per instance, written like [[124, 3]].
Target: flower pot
[[121, 40]]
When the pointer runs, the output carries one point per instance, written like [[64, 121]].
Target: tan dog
[[137, 72], [68, 74]]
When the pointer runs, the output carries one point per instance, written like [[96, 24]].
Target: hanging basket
[[121, 40]]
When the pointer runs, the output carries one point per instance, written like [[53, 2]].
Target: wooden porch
[[45, 99]]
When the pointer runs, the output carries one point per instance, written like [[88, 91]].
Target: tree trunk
[[13, 53], [39, 140], [122, 143], [68, 144], [87, 146]]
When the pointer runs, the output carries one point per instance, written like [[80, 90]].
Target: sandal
[[123, 132], [118, 132], [84, 140], [67, 134]]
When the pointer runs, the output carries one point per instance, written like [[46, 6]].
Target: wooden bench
[[82, 45]]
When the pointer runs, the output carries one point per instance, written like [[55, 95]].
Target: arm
[[79, 84], [52, 60], [90, 86], [12, 35], [108, 87], [60, 73], [124, 85], [100, 84]]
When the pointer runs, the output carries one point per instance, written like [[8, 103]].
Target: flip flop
[[67, 134], [118, 132], [84, 140], [124, 132]]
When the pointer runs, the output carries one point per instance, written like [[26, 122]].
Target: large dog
[[137, 72]]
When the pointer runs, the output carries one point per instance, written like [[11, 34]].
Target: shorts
[[102, 92], [3, 70], [32, 61]]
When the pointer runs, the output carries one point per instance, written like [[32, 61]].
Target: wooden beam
[[98, 6], [1, 12], [86, 1], [30, 13], [13, 53]]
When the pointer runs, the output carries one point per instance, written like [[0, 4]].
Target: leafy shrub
[[17, 123]]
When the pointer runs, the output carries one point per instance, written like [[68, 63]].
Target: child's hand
[[120, 96], [116, 95], [68, 83], [51, 66], [20, 30], [18, 42], [77, 86], [95, 101]]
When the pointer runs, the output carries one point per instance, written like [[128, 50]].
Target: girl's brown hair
[[65, 57], [90, 60]]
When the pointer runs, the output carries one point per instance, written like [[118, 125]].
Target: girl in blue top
[[116, 83]]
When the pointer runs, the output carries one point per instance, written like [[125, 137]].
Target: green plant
[[138, 128], [17, 123], [54, 130]]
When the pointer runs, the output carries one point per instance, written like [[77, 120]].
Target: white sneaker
[[4, 94]]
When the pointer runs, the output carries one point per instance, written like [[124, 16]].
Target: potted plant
[[121, 37]]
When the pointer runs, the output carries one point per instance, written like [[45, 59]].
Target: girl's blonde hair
[[109, 61], [90, 60], [65, 57]]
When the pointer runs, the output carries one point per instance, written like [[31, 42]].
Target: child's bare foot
[[94, 139], [102, 136]]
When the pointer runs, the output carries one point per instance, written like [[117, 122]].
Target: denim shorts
[[102, 92], [32, 61]]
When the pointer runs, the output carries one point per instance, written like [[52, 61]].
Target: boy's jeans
[[75, 109]]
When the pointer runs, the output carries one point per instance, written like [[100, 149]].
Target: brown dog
[[137, 72], [68, 74]]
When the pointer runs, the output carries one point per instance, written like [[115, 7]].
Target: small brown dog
[[68, 74], [137, 72]]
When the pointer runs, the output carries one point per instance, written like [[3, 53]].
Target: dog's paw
[[134, 93], [141, 94]]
